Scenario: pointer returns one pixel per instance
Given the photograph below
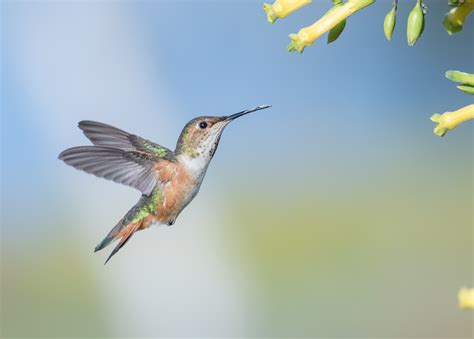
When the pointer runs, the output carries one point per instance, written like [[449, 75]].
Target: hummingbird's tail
[[125, 236], [121, 231], [124, 230], [110, 237]]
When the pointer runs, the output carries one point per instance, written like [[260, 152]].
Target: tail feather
[[134, 220], [125, 236], [110, 237]]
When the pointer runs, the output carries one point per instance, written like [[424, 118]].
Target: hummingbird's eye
[[203, 124]]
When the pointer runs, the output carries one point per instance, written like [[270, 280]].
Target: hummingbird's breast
[[180, 185]]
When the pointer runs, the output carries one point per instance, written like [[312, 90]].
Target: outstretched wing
[[131, 168], [118, 156], [101, 134]]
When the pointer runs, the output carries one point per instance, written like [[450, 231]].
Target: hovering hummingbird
[[168, 180]]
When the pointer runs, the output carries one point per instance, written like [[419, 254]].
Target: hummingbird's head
[[200, 137]]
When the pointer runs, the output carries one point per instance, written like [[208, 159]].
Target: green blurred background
[[337, 213]]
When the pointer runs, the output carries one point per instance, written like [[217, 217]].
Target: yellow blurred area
[[466, 298]]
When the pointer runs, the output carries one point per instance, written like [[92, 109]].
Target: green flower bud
[[465, 79], [415, 23], [462, 77], [389, 22], [455, 3], [468, 89]]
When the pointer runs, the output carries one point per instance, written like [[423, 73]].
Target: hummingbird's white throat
[[197, 166]]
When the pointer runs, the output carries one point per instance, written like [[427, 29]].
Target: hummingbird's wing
[[101, 134], [118, 156], [129, 167]]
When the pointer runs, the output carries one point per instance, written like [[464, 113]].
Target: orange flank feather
[[175, 191]]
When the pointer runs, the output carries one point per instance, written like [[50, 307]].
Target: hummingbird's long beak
[[247, 111]]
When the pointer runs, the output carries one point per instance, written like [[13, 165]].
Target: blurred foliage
[[51, 293], [359, 254]]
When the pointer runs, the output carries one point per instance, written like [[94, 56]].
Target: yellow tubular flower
[[282, 8], [451, 120], [306, 36], [466, 298], [454, 20]]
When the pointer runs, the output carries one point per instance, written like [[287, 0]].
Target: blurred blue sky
[[151, 66], [357, 109]]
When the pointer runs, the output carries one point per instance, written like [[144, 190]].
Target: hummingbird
[[168, 180]]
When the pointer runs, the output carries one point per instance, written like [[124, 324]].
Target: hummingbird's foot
[[171, 222]]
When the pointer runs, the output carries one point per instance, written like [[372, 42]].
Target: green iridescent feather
[[146, 205]]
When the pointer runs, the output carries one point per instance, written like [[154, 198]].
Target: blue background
[[337, 212]]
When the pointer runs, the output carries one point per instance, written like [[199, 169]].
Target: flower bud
[[468, 89], [462, 77], [455, 3], [465, 79], [415, 24], [389, 22]]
